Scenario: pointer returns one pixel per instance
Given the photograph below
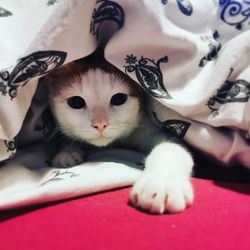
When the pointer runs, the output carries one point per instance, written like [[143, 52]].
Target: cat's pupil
[[118, 99], [76, 102]]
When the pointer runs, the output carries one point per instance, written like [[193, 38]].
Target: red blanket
[[219, 219]]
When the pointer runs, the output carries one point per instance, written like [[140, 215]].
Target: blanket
[[192, 57]]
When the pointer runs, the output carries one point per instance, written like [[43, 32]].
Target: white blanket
[[192, 57]]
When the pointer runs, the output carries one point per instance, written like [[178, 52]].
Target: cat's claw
[[159, 196], [67, 159]]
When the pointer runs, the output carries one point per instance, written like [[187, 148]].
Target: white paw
[[156, 195], [67, 159]]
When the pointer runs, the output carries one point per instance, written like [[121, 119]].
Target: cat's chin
[[101, 141]]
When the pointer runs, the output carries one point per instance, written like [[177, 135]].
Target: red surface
[[219, 219]]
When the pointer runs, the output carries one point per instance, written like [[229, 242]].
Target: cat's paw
[[67, 159], [157, 195]]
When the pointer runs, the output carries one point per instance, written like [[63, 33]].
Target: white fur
[[96, 88], [165, 184]]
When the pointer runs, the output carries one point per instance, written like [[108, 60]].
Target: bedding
[[192, 57], [219, 219]]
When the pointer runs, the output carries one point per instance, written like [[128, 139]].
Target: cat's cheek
[[127, 113]]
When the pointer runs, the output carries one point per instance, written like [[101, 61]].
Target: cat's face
[[93, 105]]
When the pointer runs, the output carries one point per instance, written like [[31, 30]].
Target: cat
[[97, 104]]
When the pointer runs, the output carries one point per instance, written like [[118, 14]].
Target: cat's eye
[[118, 99], [76, 102]]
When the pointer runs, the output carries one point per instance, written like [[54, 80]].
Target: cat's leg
[[165, 185], [69, 156]]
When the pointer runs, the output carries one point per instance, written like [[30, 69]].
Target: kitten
[[97, 104]]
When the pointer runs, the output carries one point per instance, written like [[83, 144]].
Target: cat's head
[[94, 103]]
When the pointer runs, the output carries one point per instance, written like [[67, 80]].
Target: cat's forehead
[[104, 83], [92, 83]]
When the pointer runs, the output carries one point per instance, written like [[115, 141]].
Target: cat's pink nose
[[100, 126]]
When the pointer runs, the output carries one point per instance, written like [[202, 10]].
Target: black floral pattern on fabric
[[4, 76], [59, 175], [52, 2], [33, 65], [235, 13], [106, 10], [4, 12], [230, 92], [176, 127], [149, 74], [11, 147], [214, 48], [185, 6], [3, 87]]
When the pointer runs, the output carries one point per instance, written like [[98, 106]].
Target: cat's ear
[[61, 77]]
